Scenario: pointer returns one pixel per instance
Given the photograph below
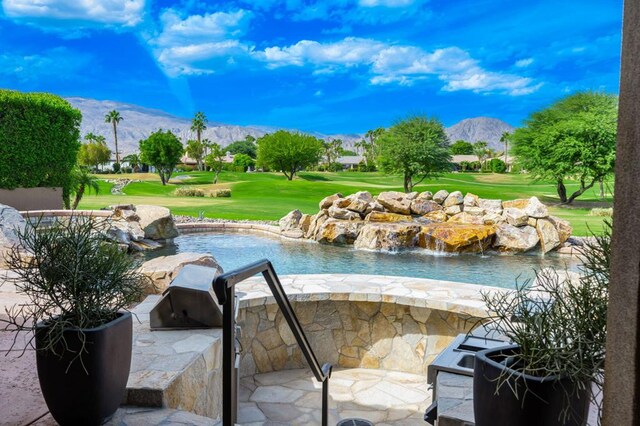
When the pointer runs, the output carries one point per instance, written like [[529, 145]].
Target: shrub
[[39, 135], [335, 167], [497, 165], [185, 168], [188, 192], [607, 212], [116, 167], [220, 193]]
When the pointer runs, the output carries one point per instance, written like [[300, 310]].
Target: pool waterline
[[293, 257]]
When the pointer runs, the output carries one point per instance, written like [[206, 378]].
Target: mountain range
[[138, 122]]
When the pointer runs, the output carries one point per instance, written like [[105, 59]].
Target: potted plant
[[554, 368], [78, 285]]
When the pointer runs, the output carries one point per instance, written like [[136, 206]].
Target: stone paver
[[293, 397]]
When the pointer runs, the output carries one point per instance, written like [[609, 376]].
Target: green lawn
[[269, 196]]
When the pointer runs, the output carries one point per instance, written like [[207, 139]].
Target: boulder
[[454, 199], [492, 219], [453, 210], [163, 269], [563, 227], [334, 231], [387, 236], [156, 222], [290, 221], [412, 195], [144, 244], [515, 216], [395, 202], [126, 212], [490, 206], [328, 201], [293, 233], [532, 221], [548, 234], [519, 203], [426, 195], [455, 237], [514, 239], [436, 216], [374, 207], [339, 213], [440, 196], [305, 222], [387, 217], [467, 218], [423, 206], [470, 200], [536, 209], [359, 202], [316, 221], [11, 221], [341, 203], [476, 211]]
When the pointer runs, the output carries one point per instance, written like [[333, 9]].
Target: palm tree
[[134, 161], [481, 151], [114, 118], [81, 181], [199, 125], [505, 140]]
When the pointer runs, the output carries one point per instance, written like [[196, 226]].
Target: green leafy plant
[[161, 150], [288, 152], [73, 276], [559, 323]]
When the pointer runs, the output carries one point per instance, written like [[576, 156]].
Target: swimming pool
[[233, 250]]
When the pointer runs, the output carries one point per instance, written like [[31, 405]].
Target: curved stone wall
[[348, 334]]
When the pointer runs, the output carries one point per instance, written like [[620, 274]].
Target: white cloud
[[396, 64], [523, 63], [199, 44], [120, 12]]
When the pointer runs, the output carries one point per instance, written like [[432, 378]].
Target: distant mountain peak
[[477, 129]]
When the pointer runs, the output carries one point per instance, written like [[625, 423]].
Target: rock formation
[[443, 222]]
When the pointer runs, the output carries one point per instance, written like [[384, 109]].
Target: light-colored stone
[[340, 213], [515, 239], [387, 236], [490, 206], [476, 211], [453, 210], [455, 238], [163, 269], [536, 209], [436, 216], [305, 222], [520, 203], [156, 222], [11, 222], [426, 195], [341, 203], [532, 221], [290, 221], [359, 202], [470, 200], [563, 227], [515, 216], [387, 217], [412, 195], [423, 206], [453, 199], [395, 202], [328, 201], [440, 196], [316, 221], [548, 234], [335, 231], [492, 219], [467, 218]]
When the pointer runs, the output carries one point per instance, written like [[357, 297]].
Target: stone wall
[[348, 334]]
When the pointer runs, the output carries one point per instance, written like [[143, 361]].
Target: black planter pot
[[87, 392], [539, 401]]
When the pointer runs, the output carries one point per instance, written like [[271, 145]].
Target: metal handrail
[[224, 287]]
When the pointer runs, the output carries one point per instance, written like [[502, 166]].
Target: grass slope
[[269, 196]]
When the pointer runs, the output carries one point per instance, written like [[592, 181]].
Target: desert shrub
[[497, 165], [220, 193], [188, 192], [39, 145], [606, 212]]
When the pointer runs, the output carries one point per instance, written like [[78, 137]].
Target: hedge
[[39, 135]]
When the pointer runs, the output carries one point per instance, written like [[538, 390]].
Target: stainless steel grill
[[188, 302]]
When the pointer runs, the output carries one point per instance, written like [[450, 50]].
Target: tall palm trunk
[[115, 138]]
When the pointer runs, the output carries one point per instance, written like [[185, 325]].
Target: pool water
[[233, 250]]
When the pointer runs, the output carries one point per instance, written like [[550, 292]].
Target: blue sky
[[333, 66]]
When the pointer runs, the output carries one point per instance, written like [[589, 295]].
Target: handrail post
[[326, 369], [229, 379]]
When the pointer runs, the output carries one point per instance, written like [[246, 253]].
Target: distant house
[[350, 161], [457, 159], [188, 161]]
